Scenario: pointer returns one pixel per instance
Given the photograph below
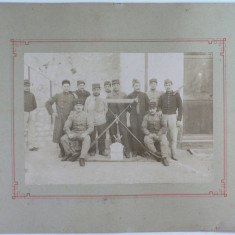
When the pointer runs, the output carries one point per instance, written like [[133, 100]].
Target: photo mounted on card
[[112, 113]]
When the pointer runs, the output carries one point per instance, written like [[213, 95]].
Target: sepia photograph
[[118, 118]]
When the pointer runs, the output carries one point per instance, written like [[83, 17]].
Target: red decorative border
[[16, 194]]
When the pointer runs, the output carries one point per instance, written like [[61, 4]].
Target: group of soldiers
[[82, 119]]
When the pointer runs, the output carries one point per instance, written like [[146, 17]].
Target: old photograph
[[118, 118]]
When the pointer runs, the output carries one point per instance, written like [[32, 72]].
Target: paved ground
[[44, 167]]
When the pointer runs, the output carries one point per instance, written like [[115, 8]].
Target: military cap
[[95, 85], [152, 105], [80, 82], [167, 81], [26, 82], [77, 101], [115, 81], [65, 82], [107, 83], [153, 80], [134, 81]]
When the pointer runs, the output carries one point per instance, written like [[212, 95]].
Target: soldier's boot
[[82, 162], [103, 153], [126, 153], [134, 154], [74, 157], [165, 162], [92, 154], [147, 155], [61, 155], [173, 157], [66, 157]]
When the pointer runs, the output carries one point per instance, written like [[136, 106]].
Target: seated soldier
[[155, 128], [78, 128]]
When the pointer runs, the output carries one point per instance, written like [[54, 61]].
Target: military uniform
[[77, 123], [97, 108], [169, 103], [154, 95], [64, 105], [115, 110], [154, 127], [30, 105], [137, 113], [82, 95]]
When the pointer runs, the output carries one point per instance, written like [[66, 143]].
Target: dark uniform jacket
[[82, 95], [29, 101], [143, 105], [169, 102], [154, 124], [64, 105]]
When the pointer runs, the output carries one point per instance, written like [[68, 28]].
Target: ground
[[44, 167]]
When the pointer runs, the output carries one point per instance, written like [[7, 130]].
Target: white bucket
[[116, 151]]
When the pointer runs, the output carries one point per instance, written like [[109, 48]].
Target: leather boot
[[174, 158], [165, 162], [66, 157], [82, 162]]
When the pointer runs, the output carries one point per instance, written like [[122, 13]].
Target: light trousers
[[74, 146], [29, 129], [173, 131], [162, 140]]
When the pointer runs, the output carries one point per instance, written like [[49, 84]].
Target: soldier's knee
[[148, 140], [87, 139]]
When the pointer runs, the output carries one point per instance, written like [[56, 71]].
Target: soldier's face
[[152, 111], [153, 85], [137, 87], [96, 91], [107, 88], [78, 107], [26, 88], [168, 86], [66, 87], [116, 87], [81, 86]]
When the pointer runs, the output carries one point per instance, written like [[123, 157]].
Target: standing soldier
[[97, 108], [78, 127], [153, 93], [81, 93], [169, 103], [154, 127], [29, 115], [115, 110], [137, 112], [64, 105], [107, 87]]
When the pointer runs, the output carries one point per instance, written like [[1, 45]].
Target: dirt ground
[[44, 167]]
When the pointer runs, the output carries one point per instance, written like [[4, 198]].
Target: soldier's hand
[[159, 113], [83, 135], [70, 135], [155, 136], [178, 123], [136, 100]]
